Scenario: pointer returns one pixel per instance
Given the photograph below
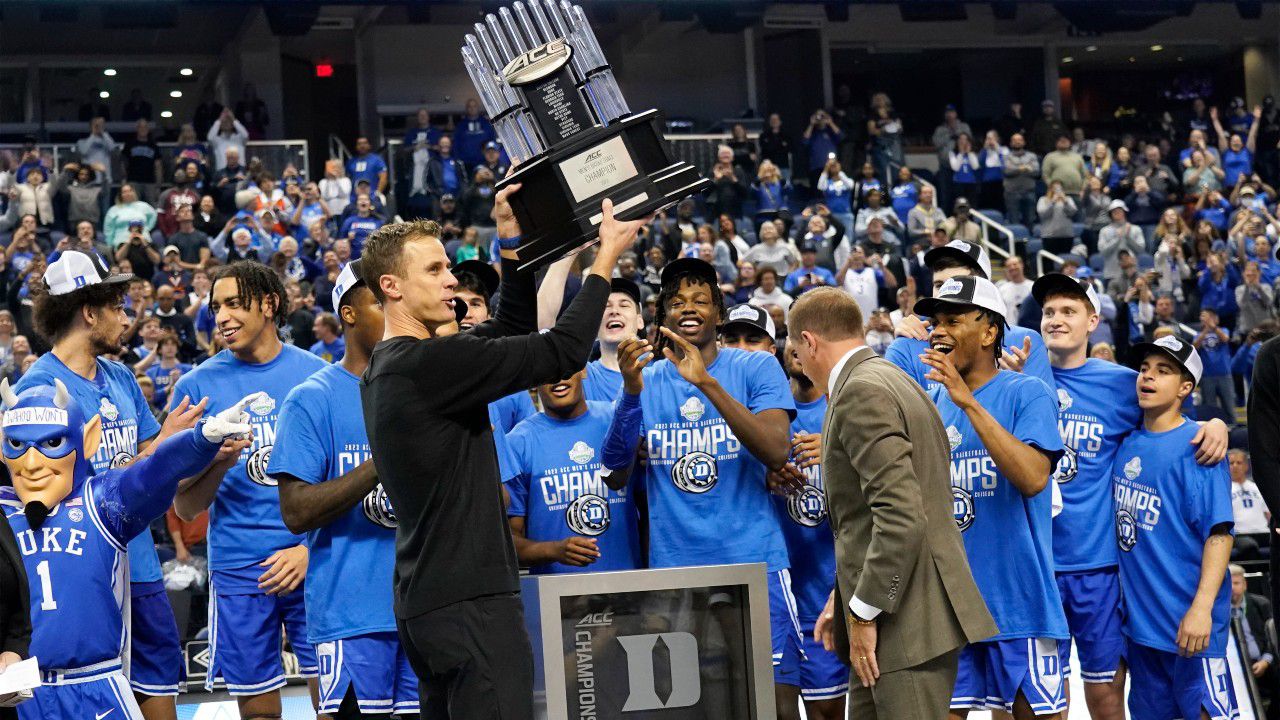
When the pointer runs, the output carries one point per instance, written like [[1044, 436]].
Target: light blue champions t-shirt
[[126, 419], [905, 353], [245, 526], [1097, 408], [601, 383], [806, 527], [1165, 506], [1008, 537], [320, 436], [556, 487], [708, 502]]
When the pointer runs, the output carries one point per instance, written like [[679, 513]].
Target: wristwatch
[[853, 618]]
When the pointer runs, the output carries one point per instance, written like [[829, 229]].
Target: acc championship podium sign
[[675, 644]]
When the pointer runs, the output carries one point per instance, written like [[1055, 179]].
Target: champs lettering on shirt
[[114, 396], [1007, 536], [245, 526], [806, 528], [555, 484], [708, 502], [1097, 409], [321, 436], [1166, 506]]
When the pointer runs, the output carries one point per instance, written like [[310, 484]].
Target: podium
[[677, 644]]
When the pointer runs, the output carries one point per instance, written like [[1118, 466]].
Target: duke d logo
[[686, 683]]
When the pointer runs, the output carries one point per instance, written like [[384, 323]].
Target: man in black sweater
[[425, 397], [1264, 437]]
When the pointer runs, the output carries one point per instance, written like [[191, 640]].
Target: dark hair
[[946, 262], [998, 320], [54, 315], [669, 289], [471, 282], [255, 282], [328, 320], [383, 251]]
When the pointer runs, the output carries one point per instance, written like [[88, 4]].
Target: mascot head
[[47, 445]]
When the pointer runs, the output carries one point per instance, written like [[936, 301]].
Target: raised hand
[[687, 359], [503, 216], [617, 236], [946, 374], [634, 354]]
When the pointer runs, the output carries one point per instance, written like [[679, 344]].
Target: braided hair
[[996, 319], [670, 287], [255, 282]]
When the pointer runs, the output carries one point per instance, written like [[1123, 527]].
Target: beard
[[36, 512], [106, 345]]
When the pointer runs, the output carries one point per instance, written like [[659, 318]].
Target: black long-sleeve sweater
[[426, 410], [1264, 424]]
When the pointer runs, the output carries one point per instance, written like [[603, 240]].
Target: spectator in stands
[[710, 253], [241, 247], [494, 160], [419, 201], [357, 228], [207, 219], [447, 175], [1047, 129], [1217, 285], [253, 111], [874, 209], [295, 266], [1201, 176], [136, 108], [745, 156], [472, 133], [300, 322], [963, 163], [742, 289], [20, 352], [449, 216], [95, 148], [1012, 122], [171, 272], [946, 135], [1120, 180], [31, 158], [85, 240], [1214, 208], [1064, 166], [1015, 287], [1214, 345], [227, 181], [1056, 211], [85, 194], [1255, 300], [335, 188], [1021, 170], [1119, 235], [163, 367], [1145, 205], [991, 159], [127, 211], [329, 345], [772, 252], [369, 166], [822, 230], [837, 191], [961, 225], [1237, 149], [771, 194], [865, 184], [809, 275], [1196, 143], [189, 149], [1099, 163], [8, 328], [727, 230], [729, 185], [905, 194], [1164, 315], [822, 140], [884, 128], [775, 147], [925, 217], [182, 194], [477, 205], [309, 210], [1160, 177], [143, 164], [768, 292], [421, 134], [35, 198], [863, 279], [224, 135], [1171, 268]]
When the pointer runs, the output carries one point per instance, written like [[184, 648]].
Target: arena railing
[[990, 226]]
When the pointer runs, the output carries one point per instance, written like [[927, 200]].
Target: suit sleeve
[[869, 426]]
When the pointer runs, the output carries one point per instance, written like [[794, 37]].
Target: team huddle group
[[1091, 509]]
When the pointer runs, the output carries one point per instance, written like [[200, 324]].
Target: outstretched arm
[[135, 495]]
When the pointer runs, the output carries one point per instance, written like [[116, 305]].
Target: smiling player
[[622, 320]]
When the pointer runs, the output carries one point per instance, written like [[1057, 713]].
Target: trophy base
[[559, 204]]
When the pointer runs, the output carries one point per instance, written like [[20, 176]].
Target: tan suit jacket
[[887, 469]]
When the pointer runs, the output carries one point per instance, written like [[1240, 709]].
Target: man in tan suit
[[903, 586]]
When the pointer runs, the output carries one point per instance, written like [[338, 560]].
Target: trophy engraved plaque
[[556, 107]]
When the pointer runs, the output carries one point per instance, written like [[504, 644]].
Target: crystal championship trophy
[[558, 112]]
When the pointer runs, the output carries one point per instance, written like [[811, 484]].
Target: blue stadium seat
[[1205, 413], [1034, 246], [1020, 232], [1146, 261], [451, 248], [1097, 262], [993, 215]]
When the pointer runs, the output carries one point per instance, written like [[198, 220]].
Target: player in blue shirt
[[622, 319], [1173, 525], [256, 563], [329, 490], [1025, 348], [802, 510], [1004, 439], [72, 526], [81, 315], [563, 517], [1097, 409], [713, 421]]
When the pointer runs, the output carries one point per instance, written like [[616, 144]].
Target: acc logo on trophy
[[588, 515], [538, 62], [695, 472]]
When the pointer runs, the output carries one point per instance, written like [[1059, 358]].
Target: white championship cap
[[74, 270], [961, 291]]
